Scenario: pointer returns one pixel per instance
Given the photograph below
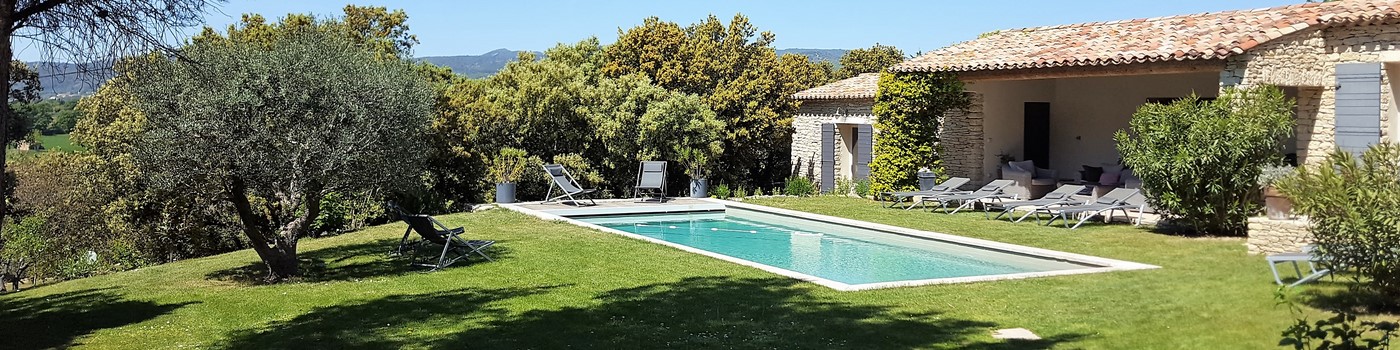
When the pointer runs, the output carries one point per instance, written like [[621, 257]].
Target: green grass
[[555, 285], [59, 142]]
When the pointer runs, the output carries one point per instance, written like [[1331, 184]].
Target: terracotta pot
[[1276, 205]]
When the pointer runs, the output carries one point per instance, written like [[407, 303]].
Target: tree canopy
[[279, 127], [738, 73], [874, 59]]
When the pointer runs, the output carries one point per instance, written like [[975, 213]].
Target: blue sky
[[473, 27]]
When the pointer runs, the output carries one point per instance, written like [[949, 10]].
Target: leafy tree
[[738, 73], [279, 127], [22, 252], [909, 111], [683, 128], [85, 31], [24, 83], [1199, 161], [869, 60], [377, 29], [1351, 203]]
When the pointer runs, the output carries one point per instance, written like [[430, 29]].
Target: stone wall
[[961, 136], [1277, 236], [964, 143], [807, 126], [1308, 60]]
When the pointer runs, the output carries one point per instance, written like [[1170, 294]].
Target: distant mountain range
[[64, 80], [68, 80], [484, 65], [477, 66]]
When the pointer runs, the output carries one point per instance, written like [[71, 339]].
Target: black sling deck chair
[[434, 233]]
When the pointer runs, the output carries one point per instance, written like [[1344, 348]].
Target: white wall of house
[[1084, 113], [1087, 111], [1003, 113]]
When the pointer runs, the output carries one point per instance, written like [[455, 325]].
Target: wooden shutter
[[1358, 106], [828, 171], [863, 148]]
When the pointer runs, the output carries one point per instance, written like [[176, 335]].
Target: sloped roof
[[1176, 38], [860, 86]]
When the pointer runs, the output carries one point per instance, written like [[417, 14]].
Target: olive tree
[[278, 127]]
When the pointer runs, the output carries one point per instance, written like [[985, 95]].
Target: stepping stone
[[1015, 334]]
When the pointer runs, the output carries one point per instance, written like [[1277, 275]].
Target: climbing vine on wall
[[908, 110]]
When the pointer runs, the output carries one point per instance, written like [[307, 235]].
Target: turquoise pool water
[[835, 252]]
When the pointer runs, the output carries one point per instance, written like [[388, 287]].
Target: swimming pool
[[838, 253]]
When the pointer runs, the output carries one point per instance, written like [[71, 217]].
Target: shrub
[[741, 192], [910, 108], [509, 165], [721, 191], [798, 186], [863, 188], [842, 187], [1351, 206], [1199, 161], [1342, 331], [1270, 175]]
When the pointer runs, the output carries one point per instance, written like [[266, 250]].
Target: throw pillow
[[1091, 173]]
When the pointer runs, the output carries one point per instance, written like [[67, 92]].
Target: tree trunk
[[276, 251], [7, 21]]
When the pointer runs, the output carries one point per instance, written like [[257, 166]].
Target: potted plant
[[697, 164], [506, 168], [1276, 205]]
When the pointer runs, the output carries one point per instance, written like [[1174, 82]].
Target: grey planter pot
[[505, 192], [699, 188]]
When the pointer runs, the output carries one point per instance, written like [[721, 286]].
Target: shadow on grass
[[701, 312], [347, 263], [55, 321], [1341, 293]]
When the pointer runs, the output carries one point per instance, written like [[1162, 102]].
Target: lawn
[[556, 285]]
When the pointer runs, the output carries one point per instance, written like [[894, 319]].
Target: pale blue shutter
[[828, 171], [863, 148], [1358, 106]]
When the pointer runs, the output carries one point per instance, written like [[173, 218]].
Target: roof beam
[[1172, 67]]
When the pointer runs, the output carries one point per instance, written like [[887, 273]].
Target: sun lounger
[[1307, 255], [947, 187], [1060, 196], [434, 233], [1116, 200], [566, 183], [991, 191], [651, 181]]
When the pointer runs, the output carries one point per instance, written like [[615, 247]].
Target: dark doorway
[[1037, 133]]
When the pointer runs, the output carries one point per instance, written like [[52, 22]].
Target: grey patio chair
[[1060, 196], [949, 186], [566, 184], [434, 233], [1116, 200], [1307, 255], [651, 180], [994, 191]]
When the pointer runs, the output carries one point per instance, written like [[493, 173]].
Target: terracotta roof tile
[[860, 86], [1175, 38]]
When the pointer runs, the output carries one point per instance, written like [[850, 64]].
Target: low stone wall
[[1277, 236]]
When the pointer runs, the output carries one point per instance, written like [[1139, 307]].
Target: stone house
[[1056, 94]]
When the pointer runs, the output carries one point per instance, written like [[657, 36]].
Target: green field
[[556, 285], [58, 142]]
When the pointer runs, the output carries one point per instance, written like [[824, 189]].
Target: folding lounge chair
[[1060, 196], [566, 183], [1307, 255], [992, 190], [651, 176], [1113, 200], [947, 187], [435, 233]]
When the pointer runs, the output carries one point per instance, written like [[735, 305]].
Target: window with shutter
[[1358, 106]]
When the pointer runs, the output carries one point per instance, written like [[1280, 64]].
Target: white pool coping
[[1102, 264]]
